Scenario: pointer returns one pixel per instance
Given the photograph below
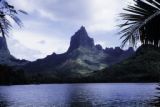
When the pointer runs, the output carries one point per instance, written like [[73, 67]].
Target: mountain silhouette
[[81, 58], [81, 39]]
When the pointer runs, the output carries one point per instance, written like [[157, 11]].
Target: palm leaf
[[8, 10], [137, 16]]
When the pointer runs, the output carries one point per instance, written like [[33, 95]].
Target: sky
[[50, 24]]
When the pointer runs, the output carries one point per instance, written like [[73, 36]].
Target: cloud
[[17, 49], [54, 9], [42, 42], [32, 39]]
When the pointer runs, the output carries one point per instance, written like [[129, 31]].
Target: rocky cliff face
[[81, 39], [83, 52]]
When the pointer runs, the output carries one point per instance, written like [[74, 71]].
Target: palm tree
[[8, 11], [141, 23]]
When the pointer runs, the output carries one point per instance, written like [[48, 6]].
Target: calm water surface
[[77, 95]]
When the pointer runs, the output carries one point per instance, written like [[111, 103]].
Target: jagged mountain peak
[[81, 39], [83, 28]]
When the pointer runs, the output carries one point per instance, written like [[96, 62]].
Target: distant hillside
[[144, 66], [117, 55], [82, 57]]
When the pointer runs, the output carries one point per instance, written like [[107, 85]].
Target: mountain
[[6, 58], [143, 66], [117, 54], [81, 39], [82, 57]]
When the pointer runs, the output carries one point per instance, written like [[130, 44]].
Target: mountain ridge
[[143, 66], [82, 57]]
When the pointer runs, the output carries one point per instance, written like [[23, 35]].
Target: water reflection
[[156, 101], [3, 102], [77, 95]]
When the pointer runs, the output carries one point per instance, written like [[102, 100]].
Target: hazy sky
[[50, 24]]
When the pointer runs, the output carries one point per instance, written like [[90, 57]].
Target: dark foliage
[[142, 23], [144, 66], [8, 76]]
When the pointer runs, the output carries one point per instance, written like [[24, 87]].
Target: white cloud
[[26, 5], [22, 52], [32, 41], [104, 14], [47, 15]]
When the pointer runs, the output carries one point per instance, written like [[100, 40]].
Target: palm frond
[[24, 12], [8, 10], [137, 16]]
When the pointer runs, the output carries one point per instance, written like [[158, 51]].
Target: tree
[[141, 23], [8, 12]]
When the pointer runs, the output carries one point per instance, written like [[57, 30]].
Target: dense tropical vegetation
[[9, 76], [143, 66]]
